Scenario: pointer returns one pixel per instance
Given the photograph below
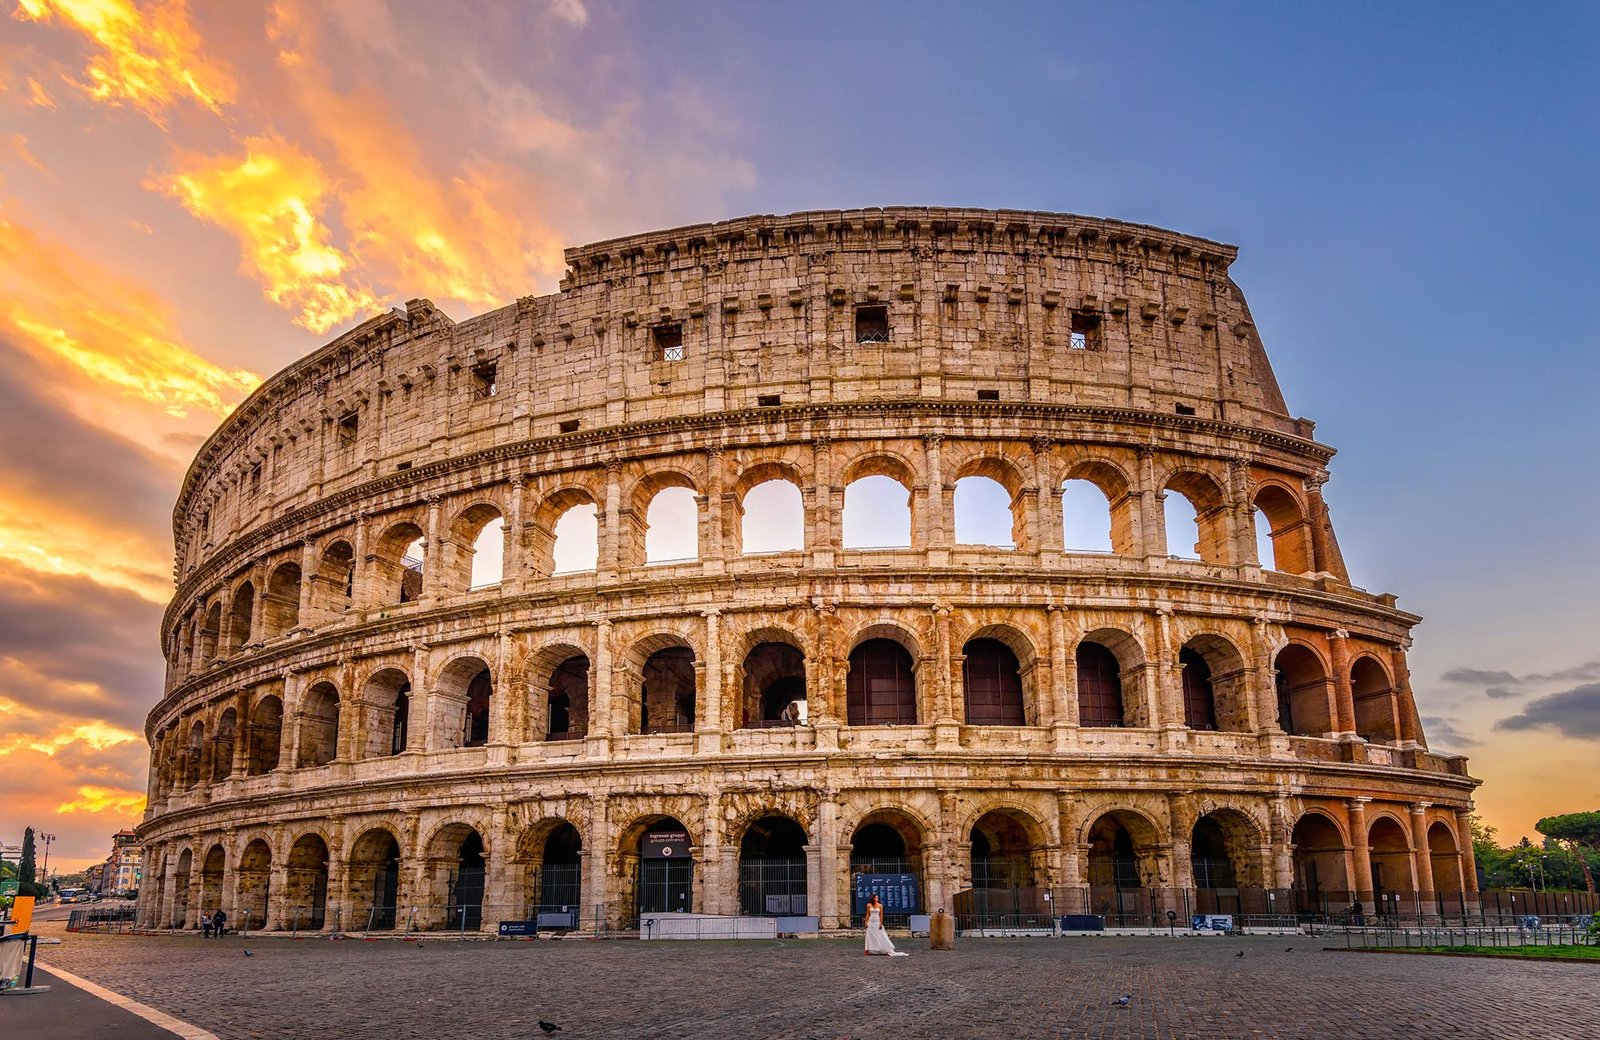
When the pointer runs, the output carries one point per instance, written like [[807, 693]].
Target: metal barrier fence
[[1564, 933]]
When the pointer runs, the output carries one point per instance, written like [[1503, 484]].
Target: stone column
[[1421, 857], [308, 584], [512, 552], [1361, 855], [434, 553], [1410, 725], [609, 524], [1151, 519], [1344, 697], [1466, 853], [598, 738], [708, 713], [827, 881]]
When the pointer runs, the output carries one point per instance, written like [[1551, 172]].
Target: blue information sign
[[899, 893]]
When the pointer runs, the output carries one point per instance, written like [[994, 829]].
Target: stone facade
[[344, 727]]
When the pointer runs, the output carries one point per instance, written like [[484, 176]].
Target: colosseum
[[974, 554]]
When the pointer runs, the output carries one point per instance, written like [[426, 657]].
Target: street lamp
[[44, 875]]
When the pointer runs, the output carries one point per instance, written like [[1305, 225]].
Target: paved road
[[1000, 989]]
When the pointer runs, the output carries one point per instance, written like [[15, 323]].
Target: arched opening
[[465, 908], [1321, 880], [1302, 686], [558, 879], [881, 688], [255, 886], [772, 518], [1005, 861], [1283, 537], [479, 540], [1444, 859], [888, 857], [672, 526], [319, 726], [266, 735], [222, 746], [1099, 686], [877, 513], [772, 868], [1374, 702], [333, 587], [667, 691], [774, 686], [466, 693], [1196, 518], [1208, 856], [375, 880], [387, 702], [1216, 693], [567, 700], [239, 614], [212, 871], [1199, 700], [984, 516], [180, 890], [280, 607], [397, 565], [1121, 856], [209, 632], [1002, 853], [665, 878], [306, 882], [1182, 526], [1390, 852], [992, 684], [576, 543], [1086, 522]]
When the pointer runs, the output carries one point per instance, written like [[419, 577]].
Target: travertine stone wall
[[323, 697]]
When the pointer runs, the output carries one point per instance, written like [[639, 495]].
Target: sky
[[192, 196]]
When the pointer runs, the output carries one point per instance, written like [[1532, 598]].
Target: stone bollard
[[941, 931]]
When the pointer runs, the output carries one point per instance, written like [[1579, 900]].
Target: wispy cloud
[[273, 198], [1573, 713], [146, 57]]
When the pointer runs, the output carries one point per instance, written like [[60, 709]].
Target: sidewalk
[[70, 1013]]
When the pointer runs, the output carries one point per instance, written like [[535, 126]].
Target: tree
[[1580, 833], [25, 868]]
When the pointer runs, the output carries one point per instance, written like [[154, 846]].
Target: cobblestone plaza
[[1283, 987]]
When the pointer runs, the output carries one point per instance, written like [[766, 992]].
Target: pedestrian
[[877, 939], [205, 925], [219, 921]]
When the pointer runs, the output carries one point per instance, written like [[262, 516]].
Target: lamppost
[[44, 871]]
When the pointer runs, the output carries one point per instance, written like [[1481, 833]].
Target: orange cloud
[[94, 800], [66, 309], [149, 58], [272, 198]]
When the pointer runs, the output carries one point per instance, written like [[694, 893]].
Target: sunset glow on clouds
[[162, 164]]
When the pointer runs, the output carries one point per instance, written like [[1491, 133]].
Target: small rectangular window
[[1085, 330], [872, 324], [769, 400], [988, 395], [1184, 409], [483, 380], [667, 341], [570, 425], [349, 426]]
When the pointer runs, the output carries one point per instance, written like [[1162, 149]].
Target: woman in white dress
[[878, 939]]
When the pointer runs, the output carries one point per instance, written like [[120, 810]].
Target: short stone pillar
[[941, 931]]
